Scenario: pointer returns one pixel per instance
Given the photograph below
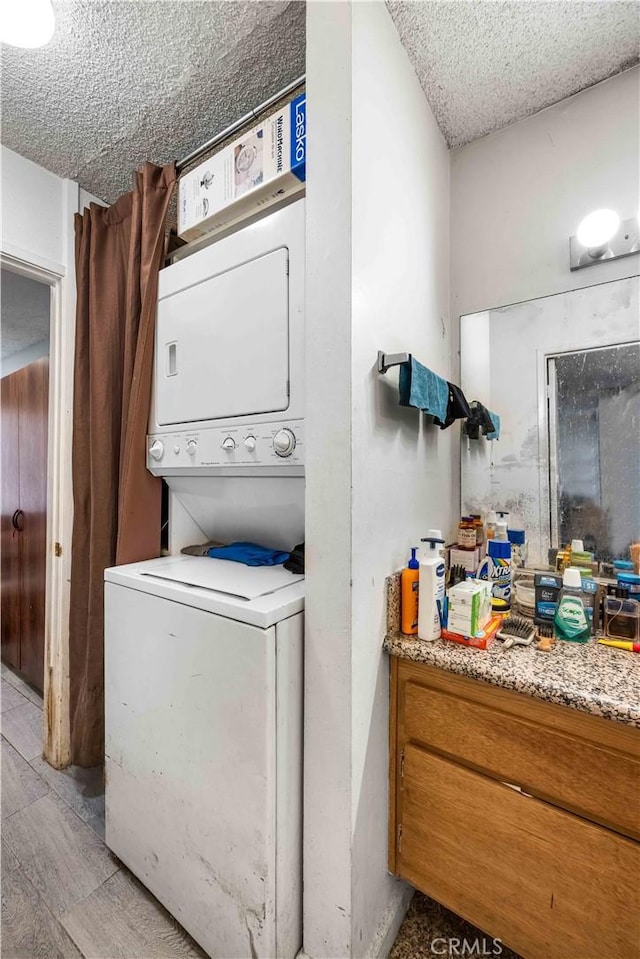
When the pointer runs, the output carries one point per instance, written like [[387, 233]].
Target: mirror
[[563, 374]]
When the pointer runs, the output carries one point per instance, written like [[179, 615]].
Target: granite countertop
[[594, 679]]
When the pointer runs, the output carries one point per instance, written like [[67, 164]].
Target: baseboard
[[390, 924]]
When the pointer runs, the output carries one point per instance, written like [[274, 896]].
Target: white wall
[[517, 196], [401, 467], [377, 476], [36, 229], [31, 223], [327, 730]]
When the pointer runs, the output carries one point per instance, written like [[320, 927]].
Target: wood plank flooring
[[64, 895]]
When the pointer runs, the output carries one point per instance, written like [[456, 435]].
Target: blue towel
[[251, 554], [422, 388], [495, 419]]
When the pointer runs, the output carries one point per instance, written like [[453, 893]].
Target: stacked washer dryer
[[203, 657]]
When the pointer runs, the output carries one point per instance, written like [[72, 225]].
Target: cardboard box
[[265, 165], [469, 607], [482, 641], [469, 558]]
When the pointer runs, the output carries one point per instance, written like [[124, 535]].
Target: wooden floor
[[63, 893], [65, 896]]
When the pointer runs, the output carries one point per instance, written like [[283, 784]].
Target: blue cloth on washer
[[495, 433], [424, 389], [251, 554]]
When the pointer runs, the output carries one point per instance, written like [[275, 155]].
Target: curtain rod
[[252, 115]]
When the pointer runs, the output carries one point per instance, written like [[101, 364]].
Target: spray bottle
[[431, 587], [496, 566], [409, 579]]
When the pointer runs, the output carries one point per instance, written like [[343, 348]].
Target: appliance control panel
[[252, 445]]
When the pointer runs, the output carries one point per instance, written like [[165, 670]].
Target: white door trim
[[61, 280]]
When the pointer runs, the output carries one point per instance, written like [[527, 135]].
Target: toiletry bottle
[[503, 516], [490, 528], [479, 527], [467, 533], [496, 566], [518, 547], [431, 590], [571, 621], [409, 595]]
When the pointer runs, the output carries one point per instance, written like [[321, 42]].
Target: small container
[[631, 582], [477, 522], [622, 566], [467, 533], [622, 618]]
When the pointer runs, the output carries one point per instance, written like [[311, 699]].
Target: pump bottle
[[431, 587]]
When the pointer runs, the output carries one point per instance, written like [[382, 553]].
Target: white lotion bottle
[[431, 587]]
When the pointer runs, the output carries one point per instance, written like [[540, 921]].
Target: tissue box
[[260, 168], [469, 607]]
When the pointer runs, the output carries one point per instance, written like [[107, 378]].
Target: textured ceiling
[[122, 82], [125, 81], [25, 312], [485, 64]]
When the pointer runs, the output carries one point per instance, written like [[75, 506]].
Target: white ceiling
[[485, 63], [125, 81], [25, 312]]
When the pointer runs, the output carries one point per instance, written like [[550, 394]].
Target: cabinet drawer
[[556, 764], [550, 885]]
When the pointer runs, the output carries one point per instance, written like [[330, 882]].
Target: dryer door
[[222, 346]]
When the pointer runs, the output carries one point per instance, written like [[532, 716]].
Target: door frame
[[59, 497]]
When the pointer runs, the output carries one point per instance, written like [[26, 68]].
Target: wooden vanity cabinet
[[522, 816]]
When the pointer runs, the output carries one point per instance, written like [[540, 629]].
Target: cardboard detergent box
[[265, 165]]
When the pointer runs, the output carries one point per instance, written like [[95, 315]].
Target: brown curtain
[[116, 500]]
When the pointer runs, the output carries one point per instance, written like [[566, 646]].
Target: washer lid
[[260, 596], [222, 576]]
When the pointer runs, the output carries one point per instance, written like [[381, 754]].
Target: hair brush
[[516, 631]]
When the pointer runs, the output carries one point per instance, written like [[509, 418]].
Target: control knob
[[192, 446], [250, 443], [228, 444], [284, 442], [156, 450]]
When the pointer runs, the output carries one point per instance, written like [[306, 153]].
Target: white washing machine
[[204, 657]]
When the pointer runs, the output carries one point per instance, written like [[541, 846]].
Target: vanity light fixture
[[602, 236], [26, 23]]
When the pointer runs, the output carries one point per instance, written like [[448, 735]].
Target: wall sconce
[[602, 236]]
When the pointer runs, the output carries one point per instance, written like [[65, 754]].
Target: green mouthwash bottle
[[571, 621]]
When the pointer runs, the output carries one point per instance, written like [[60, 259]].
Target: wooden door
[[33, 424], [10, 503], [24, 518]]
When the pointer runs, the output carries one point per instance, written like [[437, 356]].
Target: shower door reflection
[[594, 453]]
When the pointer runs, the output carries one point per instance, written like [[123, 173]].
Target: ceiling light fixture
[[601, 236], [26, 23]]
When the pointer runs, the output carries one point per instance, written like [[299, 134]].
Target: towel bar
[[385, 360]]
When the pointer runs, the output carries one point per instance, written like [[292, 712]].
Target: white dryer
[[203, 657]]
